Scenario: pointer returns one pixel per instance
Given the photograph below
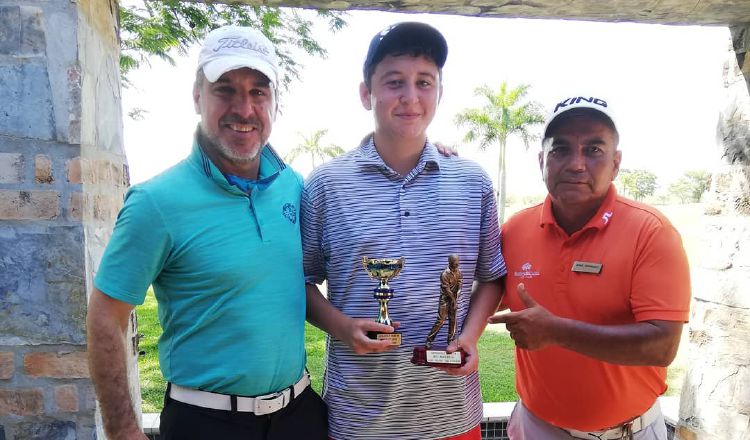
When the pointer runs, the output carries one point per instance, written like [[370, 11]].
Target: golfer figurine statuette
[[450, 288], [384, 270]]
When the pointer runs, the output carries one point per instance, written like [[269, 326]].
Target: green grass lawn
[[495, 367], [152, 382]]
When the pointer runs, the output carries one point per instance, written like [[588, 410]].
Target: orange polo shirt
[[644, 276]]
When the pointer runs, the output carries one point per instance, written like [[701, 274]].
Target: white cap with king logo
[[578, 102]]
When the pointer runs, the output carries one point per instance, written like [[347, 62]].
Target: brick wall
[[45, 393]]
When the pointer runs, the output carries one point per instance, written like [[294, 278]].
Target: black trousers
[[306, 417]]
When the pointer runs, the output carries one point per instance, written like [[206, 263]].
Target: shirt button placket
[[402, 197], [564, 253], [404, 217]]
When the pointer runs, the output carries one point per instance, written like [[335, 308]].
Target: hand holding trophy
[[450, 288], [384, 269]]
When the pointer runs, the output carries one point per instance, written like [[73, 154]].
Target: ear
[[440, 93], [196, 100], [541, 160], [364, 96], [617, 159], [275, 111]]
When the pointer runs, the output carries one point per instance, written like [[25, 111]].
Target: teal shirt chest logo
[[290, 212]]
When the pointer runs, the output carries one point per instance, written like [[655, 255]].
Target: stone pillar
[[715, 400], [62, 179]]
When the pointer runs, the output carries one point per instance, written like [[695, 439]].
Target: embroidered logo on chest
[[526, 272], [290, 212]]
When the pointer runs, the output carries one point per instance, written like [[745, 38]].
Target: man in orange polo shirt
[[598, 287]]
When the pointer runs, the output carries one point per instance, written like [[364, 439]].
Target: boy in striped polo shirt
[[394, 196]]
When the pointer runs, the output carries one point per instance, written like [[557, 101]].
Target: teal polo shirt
[[226, 269]]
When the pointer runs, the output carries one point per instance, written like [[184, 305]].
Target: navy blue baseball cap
[[407, 35]]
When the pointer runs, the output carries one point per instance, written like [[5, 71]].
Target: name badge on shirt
[[586, 267]]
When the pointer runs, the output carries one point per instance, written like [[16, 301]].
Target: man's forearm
[[644, 343], [107, 362], [322, 314]]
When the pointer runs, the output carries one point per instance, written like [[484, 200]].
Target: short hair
[[199, 78]]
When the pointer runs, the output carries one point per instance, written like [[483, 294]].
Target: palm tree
[[311, 145], [503, 115]]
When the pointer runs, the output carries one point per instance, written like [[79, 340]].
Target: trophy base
[[438, 357], [395, 338]]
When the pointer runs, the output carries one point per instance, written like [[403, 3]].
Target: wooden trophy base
[[395, 338], [438, 357]]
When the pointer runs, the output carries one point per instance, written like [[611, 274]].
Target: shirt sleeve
[[661, 277], [490, 262], [504, 301], [311, 222], [136, 252]]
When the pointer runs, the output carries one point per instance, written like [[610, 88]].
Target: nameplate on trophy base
[[438, 357], [394, 338]]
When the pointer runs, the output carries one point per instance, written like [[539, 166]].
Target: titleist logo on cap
[[242, 43], [577, 100]]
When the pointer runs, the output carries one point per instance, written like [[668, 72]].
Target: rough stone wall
[[706, 12], [62, 177], [715, 401]]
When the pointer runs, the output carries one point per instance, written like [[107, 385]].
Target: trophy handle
[[400, 267], [364, 264]]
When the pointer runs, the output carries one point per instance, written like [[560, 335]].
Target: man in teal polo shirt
[[218, 237]]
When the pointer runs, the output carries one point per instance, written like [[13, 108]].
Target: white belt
[[620, 432], [258, 405]]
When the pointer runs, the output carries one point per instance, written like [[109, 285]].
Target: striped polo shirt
[[356, 206]]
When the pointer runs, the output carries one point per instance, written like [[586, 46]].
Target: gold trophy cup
[[384, 270]]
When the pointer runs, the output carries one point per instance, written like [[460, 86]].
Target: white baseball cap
[[234, 47], [575, 102]]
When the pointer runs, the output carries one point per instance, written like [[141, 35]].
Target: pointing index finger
[[503, 318]]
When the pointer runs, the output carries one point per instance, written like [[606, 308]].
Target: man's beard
[[210, 142]]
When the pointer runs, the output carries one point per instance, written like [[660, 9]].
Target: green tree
[[638, 183], [504, 114], [691, 186], [680, 190], [311, 145], [162, 27]]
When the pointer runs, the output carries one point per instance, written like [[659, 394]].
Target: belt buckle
[[627, 430], [270, 403]]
